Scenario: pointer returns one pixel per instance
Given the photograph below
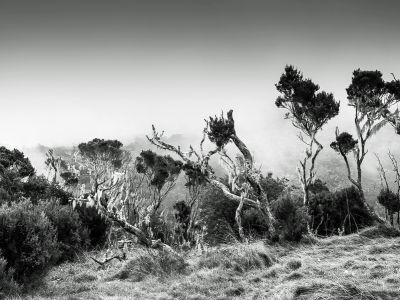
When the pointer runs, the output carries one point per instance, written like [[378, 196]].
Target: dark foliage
[[28, 241], [7, 284], [368, 89], [274, 186], [14, 167], [344, 143], [291, 216], [318, 186], [70, 178], [220, 130], [217, 214], [38, 188], [15, 161], [182, 218], [308, 109], [96, 149], [97, 225], [389, 200], [342, 210], [72, 236], [195, 176], [160, 168]]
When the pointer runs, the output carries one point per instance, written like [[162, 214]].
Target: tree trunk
[[238, 218]]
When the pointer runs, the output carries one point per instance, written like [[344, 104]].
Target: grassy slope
[[359, 266]]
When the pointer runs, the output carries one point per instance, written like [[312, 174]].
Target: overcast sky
[[74, 70]]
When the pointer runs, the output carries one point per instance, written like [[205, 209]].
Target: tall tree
[[373, 100], [308, 110]]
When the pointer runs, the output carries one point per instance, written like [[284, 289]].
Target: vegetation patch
[[239, 257], [152, 263]]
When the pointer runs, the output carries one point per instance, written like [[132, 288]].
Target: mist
[[72, 71]]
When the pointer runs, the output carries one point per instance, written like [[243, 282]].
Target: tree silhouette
[[308, 110]]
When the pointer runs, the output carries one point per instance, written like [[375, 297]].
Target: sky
[[74, 70]]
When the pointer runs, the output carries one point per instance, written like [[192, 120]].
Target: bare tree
[[220, 132], [308, 110]]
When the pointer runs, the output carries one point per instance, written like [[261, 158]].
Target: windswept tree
[[373, 100], [308, 110], [126, 190], [160, 172], [221, 131]]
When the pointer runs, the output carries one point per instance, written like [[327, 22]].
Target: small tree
[[372, 99], [308, 110], [160, 172]]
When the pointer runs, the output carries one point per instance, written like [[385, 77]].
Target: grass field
[[359, 266]]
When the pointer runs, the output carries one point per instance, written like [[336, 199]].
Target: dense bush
[[97, 225], [155, 263], [72, 236], [7, 284], [291, 216], [38, 188], [217, 214], [342, 210], [28, 240], [391, 202], [239, 257]]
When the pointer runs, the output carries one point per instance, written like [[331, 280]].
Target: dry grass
[[365, 266]]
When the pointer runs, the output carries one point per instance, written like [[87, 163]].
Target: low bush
[[28, 240], [97, 225], [379, 231], [152, 262], [341, 210], [291, 216], [7, 284], [72, 236], [239, 257]]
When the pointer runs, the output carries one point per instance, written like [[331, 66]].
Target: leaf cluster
[[109, 150], [14, 160], [221, 129], [160, 168], [195, 176], [369, 92], [308, 109], [344, 143]]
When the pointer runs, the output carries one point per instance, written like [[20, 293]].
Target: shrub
[[39, 188], [291, 216], [28, 240], [156, 263], [97, 225], [7, 284], [239, 257], [390, 201], [72, 236], [381, 230], [342, 210], [217, 214]]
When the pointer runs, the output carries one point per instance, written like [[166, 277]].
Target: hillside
[[359, 266]]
